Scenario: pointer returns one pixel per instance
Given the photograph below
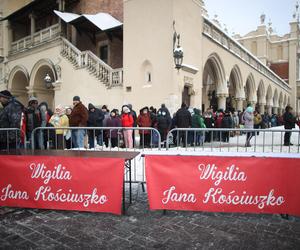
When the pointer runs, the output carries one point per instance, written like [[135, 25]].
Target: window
[[104, 53], [148, 77]]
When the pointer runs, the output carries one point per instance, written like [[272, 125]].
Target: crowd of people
[[35, 115]]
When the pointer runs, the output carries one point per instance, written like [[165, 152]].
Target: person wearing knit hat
[[10, 117], [78, 118], [95, 119], [59, 119], [5, 94]]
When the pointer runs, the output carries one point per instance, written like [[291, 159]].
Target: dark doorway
[[186, 98]]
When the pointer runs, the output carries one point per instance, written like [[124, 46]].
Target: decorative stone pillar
[[269, 109], [239, 104], [261, 108], [222, 101], [32, 25], [275, 110]]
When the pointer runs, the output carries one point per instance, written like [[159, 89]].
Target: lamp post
[[178, 55], [178, 51]]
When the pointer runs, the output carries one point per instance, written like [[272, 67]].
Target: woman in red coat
[[127, 122], [144, 120]]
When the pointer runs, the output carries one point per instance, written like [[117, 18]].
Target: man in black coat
[[10, 117], [289, 123], [96, 117], [183, 119]]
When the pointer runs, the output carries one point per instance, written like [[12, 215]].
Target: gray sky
[[243, 16]]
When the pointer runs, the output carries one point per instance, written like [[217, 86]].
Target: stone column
[[275, 110], [261, 108], [269, 109], [222, 101], [32, 25], [239, 104]]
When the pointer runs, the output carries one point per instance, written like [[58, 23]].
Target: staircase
[[93, 64]]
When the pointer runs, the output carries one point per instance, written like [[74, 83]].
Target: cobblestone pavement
[[144, 229]]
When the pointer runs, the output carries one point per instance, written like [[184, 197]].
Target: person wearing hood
[[183, 119], [33, 120], [78, 118], [127, 122], [198, 122], [227, 122], [95, 119], [59, 119], [164, 122], [144, 120], [10, 117], [113, 121], [289, 123], [248, 119]]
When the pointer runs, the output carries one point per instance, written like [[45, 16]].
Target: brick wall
[[113, 7]]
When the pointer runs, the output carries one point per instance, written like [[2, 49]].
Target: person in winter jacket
[[78, 118], [198, 122], [164, 122], [95, 119], [209, 123], [249, 123], [113, 121], [144, 120], [183, 119], [127, 122], [10, 117], [289, 123], [33, 119], [257, 120], [227, 122], [106, 113], [59, 119]]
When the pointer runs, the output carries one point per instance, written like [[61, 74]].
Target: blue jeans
[[78, 138]]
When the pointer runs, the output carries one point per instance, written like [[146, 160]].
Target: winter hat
[[5, 94], [76, 98], [59, 110], [91, 106], [249, 109], [126, 109], [32, 99]]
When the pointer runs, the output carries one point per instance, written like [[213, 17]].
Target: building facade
[[117, 52]]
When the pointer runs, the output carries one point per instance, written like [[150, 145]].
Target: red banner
[[67, 183], [224, 184]]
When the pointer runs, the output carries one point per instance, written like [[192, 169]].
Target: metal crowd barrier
[[103, 134], [10, 138], [232, 140]]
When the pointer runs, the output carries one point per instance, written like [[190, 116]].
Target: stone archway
[[250, 93], [214, 93], [37, 86], [235, 90], [18, 83], [269, 98]]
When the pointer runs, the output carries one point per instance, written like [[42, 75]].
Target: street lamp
[[178, 51], [178, 55]]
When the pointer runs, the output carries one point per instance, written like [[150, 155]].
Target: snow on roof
[[67, 17], [103, 21]]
